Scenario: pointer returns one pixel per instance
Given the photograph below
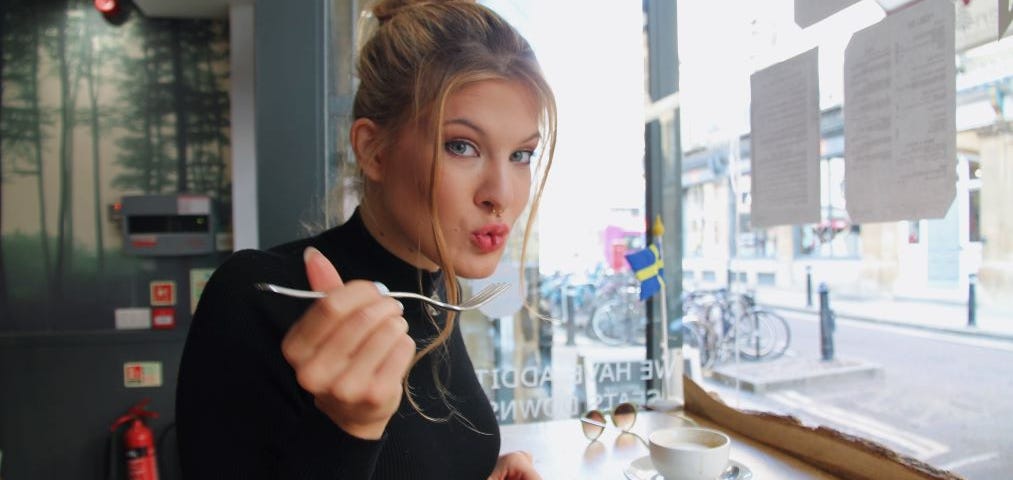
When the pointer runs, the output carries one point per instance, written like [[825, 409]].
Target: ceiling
[[187, 8]]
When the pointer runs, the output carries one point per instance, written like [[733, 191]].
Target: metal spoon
[[730, 473]]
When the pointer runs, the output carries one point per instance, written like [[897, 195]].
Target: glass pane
[[339, 84], [896, 332], [576, 341], [579, 342]]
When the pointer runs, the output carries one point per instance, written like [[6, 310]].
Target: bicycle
[[730, 324], [621, 319]]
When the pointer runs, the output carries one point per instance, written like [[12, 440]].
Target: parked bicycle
[[731, 325], [619, 317], [563, 297], [721, 325]]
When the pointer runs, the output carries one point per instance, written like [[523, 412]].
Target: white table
[[561, 452]]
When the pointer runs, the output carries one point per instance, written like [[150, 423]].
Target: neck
[[379, 226]]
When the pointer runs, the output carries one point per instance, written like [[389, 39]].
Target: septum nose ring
[[498, 212]]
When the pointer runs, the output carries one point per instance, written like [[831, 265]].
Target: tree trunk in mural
[[142, 97], [218, 102], [201, 136], [157, 110], [152, 148], [197, 120], [92, 58], [24, 119], [4, 311], [180, 94], [47, 262], [64, 215]]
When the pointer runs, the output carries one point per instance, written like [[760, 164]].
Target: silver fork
[[477, 300]]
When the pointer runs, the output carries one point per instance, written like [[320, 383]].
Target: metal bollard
[[827, 324], [972, 301], [808, 286], [571, 319]]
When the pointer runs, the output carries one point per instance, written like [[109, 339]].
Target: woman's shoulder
[[231, 297], [261, 266], [283, 264]]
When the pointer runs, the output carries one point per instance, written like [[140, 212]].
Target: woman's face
[[490, 129]]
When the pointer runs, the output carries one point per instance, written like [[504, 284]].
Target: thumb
[[319, 271]]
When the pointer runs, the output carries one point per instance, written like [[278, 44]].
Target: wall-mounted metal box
[[168, 225]]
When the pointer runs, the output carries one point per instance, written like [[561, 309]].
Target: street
[[942, 398]]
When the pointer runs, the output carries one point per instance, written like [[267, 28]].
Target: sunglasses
[[623, 415]]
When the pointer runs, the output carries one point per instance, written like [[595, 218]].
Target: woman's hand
[[515, 466], [350, 350]]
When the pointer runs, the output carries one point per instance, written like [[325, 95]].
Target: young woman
[[450, 112]]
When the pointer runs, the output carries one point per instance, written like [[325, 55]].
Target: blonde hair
[[418, 53]]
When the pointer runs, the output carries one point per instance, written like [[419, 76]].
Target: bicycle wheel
[[699, 337], [608, 324], [762, 334], [637, 317], [718, 317]]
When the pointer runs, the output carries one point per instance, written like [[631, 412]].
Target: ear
[[365, 138]]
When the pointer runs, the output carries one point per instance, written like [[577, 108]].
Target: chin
[[482, 267]]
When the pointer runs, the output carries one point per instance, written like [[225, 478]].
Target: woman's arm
[[240, 411], [350, 350]]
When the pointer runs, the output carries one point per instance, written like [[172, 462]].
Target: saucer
[[643, 469]]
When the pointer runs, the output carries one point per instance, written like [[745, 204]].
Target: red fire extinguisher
[[138, 442]]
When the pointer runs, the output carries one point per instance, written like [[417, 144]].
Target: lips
[[490, 237]]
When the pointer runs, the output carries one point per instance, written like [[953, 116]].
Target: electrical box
[[167, 225]]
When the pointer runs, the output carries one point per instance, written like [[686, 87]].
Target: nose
[[495, 192]]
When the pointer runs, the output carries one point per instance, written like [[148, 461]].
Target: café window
[[694, 221], [754, 243], [750, 243], [834, 236], [576, 341]]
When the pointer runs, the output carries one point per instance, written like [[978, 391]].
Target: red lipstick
[[490, 237]]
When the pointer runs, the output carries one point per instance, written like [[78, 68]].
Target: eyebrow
[[473, 126]]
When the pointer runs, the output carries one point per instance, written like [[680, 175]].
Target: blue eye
[[461, 148], [523, 156]]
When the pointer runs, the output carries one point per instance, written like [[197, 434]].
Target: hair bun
[[384, 10]]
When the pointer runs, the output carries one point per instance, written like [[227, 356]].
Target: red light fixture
[[113, 11], [107, 7]]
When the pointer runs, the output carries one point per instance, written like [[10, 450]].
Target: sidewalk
[[937, 315]]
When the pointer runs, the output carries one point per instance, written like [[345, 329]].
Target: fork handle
[[410, 295], [294, 292]]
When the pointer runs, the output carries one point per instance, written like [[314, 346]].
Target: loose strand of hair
[[451, 288], [544, 165]]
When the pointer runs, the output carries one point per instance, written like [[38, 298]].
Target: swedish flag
[[649, 268]]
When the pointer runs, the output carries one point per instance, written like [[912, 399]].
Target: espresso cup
[[689, 453]]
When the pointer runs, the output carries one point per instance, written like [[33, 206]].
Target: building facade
[[918, 258]]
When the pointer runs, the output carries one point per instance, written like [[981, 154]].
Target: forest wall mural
[[92, 111]]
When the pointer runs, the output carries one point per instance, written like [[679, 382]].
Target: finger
[[350, 334], [332, 357], [374, 351], [361, 385], [319, 271], [398, 360], [324, 316]]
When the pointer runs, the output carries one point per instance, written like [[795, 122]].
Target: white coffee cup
[[689, 453]]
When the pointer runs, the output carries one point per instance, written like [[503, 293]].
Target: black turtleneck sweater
[[241, 414]]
